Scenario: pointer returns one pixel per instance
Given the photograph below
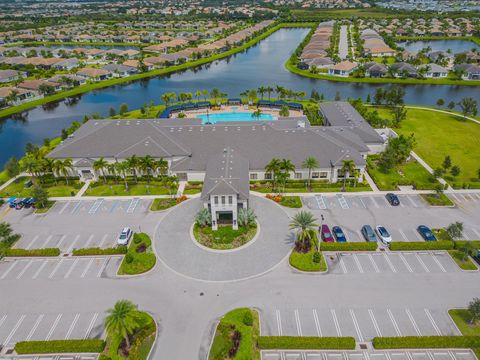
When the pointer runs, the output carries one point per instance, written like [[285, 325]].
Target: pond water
[[456, 46]]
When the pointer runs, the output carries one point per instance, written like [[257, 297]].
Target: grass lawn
[[44, 209], [294, 186], [291, 202], [162, 204], [458, 257], [410, 173], [140, 257], [225, 237], [462, 319], [304, 261], [193, 188], [441, 234], [439, 135], [437, 199], [142, 188], [246, 322], [18, 189]]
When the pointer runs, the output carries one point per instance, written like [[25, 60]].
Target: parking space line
[[374, 322], [407, 265], [76, 207], [414, 204], [422, 263], [55, 269], [133, 205], [54, 326], [403, 235], [64, 207], [104, 265], [342, 264], [343, 202], [360, 236], [279, 322], [103, 240], [361, 201], [335, 321], [375, 202], [90, 326], [114, 206], [360, 268], [374, 264], [476, 233], [321, 202], [414, 323], [32, 242], [466, 236], [430, 317], [394, 322], [46, 241], [9, 269], [86, 268], [387, 259], [438, 263], [61, 240], [72, 245], [95, 206], [20, 274], [355, 323], [14, 330], [67, 274], [72, 326], [455, 197], [317, 323], [35, 326], [40, 269], [297, 321]]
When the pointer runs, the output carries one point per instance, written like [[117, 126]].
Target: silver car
[[124, 236]]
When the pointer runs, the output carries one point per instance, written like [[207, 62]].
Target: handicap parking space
[[49, 326], [390, 262], [361, 323], [462, 198], [101, 206], [59, 268]]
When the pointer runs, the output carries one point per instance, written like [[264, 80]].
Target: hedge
[[60, 346], [32, 252], [119, 250], [348, 246], [426, 342], [422, 245], [306, 342], [458, 244]]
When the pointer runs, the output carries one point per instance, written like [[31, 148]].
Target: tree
[[100, 165], [63, 167], [112, 112], [40, 195], [447, 162], [286, 166], [466, 250], [147, 164], [7, 236], [455, 170], [269, 91], [284, 111], [257, 114], [438, 172], [468, 106], [451, 105], [246, 217], [397, 151], [348, 167], [31, 165], [440, 102], [455, 230], [262, 90], [310, 163], [474, 310], [478, 173], [203, 218], [122, 320], [123, 109], [304, 223], [122, 168], [273, 167], [368, 99], [46, 89], [399, 113], [12, 167]]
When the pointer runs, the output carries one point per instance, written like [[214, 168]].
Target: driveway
[[178, 251]]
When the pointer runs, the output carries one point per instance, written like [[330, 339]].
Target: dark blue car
[[339, 234], [426, 233], [393, 199]]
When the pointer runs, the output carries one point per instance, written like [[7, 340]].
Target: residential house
[[344, 68], [94, 74], [119, 70], [10, 75]]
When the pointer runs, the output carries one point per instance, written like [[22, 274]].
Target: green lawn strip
[[193, 187], [44, 209], [421, 245], [140, 256], [225, 237], [60, 189], [410, 173], [134, 189], [462, 318], [437, 199], [348, 246], [306, 342], [439, 135], [60, 346], [299, 186], [32, 252], [462, 262], [246, 322], [291, 202], [427, 342], [162, 204], [119, 250], [461, 243]]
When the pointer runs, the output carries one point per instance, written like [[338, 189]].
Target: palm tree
[[162, 166], [286, 166], [198, 93], [122, 168], [63, 167], [31, 165], [273, 167], [215, 94], [310, 163], [47, 166], [100, 165], [171, 182], [147, 164], [112, 169], [348, 168], [203, 218], [165, 98], [304, 223], [11, 97], [262, 90], [269, 91], [132, 162], [279, 90], [257, 114], [122, 320], [246, 217]]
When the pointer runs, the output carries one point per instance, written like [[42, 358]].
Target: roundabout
[[177, 249]]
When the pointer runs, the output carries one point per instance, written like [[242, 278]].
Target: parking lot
[[419, 262], [50, 357], [59, 268], [361, 323], [48, 326], [101, 206], [462, 354]]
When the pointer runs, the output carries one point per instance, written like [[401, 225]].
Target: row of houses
[[374, 44], [315, 53], [63, 52]]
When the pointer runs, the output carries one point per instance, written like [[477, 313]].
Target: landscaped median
[[60, 346], [348, 246], [139, 257], [119, 250], [305, 343], [32, 252], [427, 342], [421, 245]]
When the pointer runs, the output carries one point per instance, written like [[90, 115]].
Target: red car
[[326, 234]]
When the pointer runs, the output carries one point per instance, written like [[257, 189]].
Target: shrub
[[60, 346], [423, 245], [119, 250], [316, 257], [129, 258], [137, 262], [32, 252], [348, 246], [248, 318], [180, 199], [423, 342], [306, 342], [458, 244]]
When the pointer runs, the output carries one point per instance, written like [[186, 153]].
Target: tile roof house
[[94, 74], [344, 68], [10, 75]]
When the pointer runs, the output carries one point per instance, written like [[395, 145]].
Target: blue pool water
[[233, 116]]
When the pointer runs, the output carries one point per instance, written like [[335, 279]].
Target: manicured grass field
[[437, 199], [162, 204], [462, 319], [291, 202], [225, 237], [304, 261], [467, 264], [410, 173], [18, 189], [140, 257], [112, 189], [439, 135]]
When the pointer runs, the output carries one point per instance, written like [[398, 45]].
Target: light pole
[[322, 218]]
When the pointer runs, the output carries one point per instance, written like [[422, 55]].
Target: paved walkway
[[343, 43], [83, 189], [428, 168], [370, 181], [9, 181]]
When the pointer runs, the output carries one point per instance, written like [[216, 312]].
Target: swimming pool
[[233, 116]]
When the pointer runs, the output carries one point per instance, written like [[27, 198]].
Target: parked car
[[124, 236], [326, 234], [339, 234], [368, 233], [383, 234], [19, 204], [393, 199], [426, 233], [476, 256], [28, 202]]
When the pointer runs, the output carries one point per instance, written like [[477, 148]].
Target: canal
[[260, 65]]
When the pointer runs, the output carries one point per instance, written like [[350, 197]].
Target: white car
[[124, 236], [383, 234]]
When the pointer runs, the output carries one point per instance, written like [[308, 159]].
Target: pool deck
[[237, 108]]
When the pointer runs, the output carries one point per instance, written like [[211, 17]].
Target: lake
[[456, 46], [260, 65]]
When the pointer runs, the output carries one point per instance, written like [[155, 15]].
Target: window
[[315, 174], [223, 200], [253, 176], [323, 175], [268, 176], [230, 200], [215, 200], [298, 176]]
